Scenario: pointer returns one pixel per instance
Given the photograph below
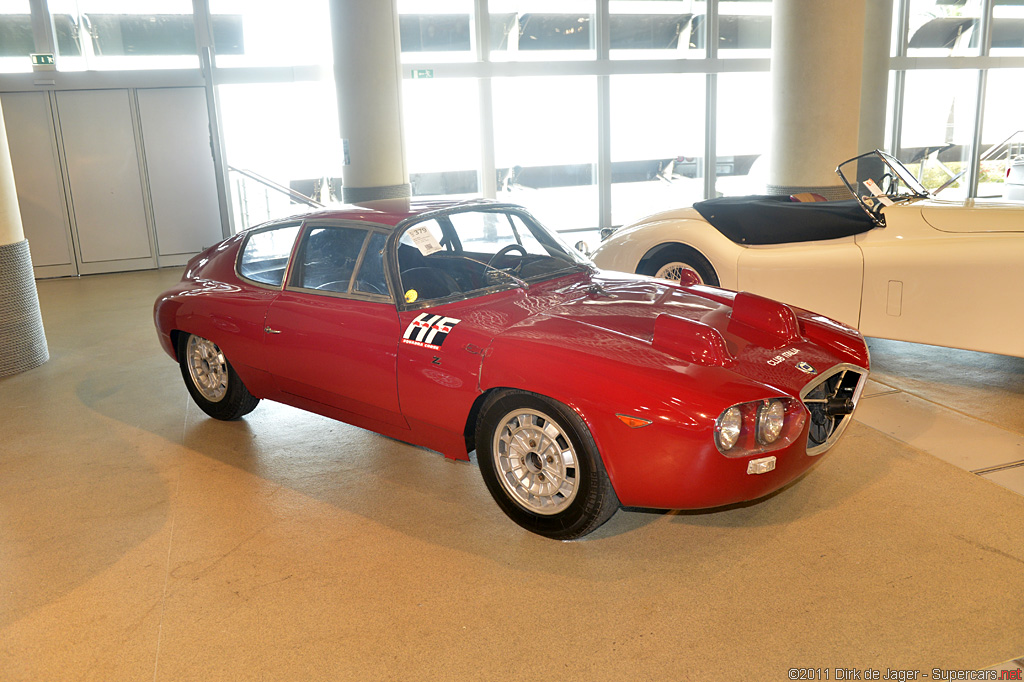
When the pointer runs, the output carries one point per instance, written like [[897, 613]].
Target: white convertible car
[[893, 261]]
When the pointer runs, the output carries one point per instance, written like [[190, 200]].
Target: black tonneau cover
[[771, 219]]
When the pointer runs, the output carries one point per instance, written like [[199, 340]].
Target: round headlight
[[728, 428], [770, 417]]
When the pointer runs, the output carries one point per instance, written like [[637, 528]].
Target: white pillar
[[22, 341], [817, 49], [874, 90], [367, 72]]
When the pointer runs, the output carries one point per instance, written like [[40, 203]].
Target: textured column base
[[22, 341], [361, 195], [830, 192]]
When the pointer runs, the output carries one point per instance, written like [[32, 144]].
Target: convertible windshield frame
[[876, 180]]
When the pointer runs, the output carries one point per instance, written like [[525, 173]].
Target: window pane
[[287, 133], [744, 129], [1002, 135], [744, 29], [16, 40], [297, 32], [656, 151], [941, 28], [118, 34], [1008, 27], [442, 135], [656, 29], [548, 30], [328, 258], [370, 279], [265, 255], [436, 30], [545, 147], [937, 128]]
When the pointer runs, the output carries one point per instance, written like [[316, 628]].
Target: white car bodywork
[[1013, 187], [948, 273]]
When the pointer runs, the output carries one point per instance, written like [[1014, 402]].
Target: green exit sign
[[422, 73], [42, 60]]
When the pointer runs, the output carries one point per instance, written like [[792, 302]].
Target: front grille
[[830, 400]]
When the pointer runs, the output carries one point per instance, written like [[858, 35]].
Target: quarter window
[[265, 254]]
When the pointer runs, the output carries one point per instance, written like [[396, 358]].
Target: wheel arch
[[625, 249]]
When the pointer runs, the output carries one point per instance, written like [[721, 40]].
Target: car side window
[[327, 258], [370, 279], [264, 256]]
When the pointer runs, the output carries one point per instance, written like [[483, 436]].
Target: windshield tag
[[877, 192], [424, 240]]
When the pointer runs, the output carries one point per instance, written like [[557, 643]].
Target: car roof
[[393, 211]]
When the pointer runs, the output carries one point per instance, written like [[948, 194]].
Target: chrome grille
[[830, 399]]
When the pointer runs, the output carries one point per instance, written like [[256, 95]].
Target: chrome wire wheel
[[674, 271], [207, 368], [535, 461]]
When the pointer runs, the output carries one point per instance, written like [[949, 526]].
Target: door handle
[[268, 330]]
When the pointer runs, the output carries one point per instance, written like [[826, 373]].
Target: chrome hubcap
[[536, 462], [208, 368], [673, 271]]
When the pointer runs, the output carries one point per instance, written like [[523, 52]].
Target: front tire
[[542, 467], [668, 261], [211, 380]]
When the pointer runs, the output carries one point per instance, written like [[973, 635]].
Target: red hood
[[760, 339]]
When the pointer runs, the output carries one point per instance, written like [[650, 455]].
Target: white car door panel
[[824, 277], [962, 291]]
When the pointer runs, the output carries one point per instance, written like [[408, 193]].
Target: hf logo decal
[[429, 331]]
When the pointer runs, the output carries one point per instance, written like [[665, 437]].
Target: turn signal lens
[[770, 416], [727, 430], [633, 422]]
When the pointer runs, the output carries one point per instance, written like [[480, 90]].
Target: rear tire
[[667, 261], [542, 467], [211, 380]]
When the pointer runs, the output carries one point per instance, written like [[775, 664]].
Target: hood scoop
[[691, 340], [763, 314]]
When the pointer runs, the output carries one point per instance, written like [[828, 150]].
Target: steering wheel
[[505, 250]]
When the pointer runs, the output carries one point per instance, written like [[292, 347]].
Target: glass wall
[[545, 147], [957, 59], [938, 128], [657, 143]]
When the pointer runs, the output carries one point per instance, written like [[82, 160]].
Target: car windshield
[[877, 180], [467, 252]]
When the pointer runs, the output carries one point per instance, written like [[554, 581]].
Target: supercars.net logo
[[429, 331]]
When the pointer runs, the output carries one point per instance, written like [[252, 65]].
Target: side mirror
[[582, 247]]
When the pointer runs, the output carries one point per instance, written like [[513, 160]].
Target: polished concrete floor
[[140, 540]]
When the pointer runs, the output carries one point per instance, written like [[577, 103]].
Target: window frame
[[252, 232], [369, 228]]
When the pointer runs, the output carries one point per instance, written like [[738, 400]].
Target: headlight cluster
[[749, 428]]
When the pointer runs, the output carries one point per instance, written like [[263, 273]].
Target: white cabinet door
[[179, 160], [101, 155], [40, 187]]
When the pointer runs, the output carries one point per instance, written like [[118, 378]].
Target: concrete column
[[22, 341], [874, 90], [367, 72], [817, 46]]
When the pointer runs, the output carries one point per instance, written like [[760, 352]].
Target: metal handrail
[[298, 196], [984, 157]]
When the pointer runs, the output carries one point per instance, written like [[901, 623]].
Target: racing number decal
[[429, 331]]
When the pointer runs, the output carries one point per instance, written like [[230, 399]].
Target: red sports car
[[469, 326]]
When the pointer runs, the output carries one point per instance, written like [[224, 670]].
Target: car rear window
[[265, 254]]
